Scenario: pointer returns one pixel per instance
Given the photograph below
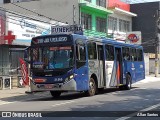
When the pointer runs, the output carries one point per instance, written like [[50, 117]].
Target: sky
[[140, 1]]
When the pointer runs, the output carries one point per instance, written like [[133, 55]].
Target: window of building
[[112, 23], [86, 21], [124, 26], [101, 24], [88, 0], [101, 3]]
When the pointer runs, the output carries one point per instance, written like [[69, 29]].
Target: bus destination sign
[[52, 40], [55, 39], [67, 29]]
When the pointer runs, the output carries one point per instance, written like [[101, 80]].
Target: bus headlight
[[71, 76]]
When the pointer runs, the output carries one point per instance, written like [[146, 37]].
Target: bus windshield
[[52, 57]]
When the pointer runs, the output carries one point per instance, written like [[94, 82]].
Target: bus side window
[[126, 54], [81, 55], [139, 54], [133, 54], [109, 52], [92, 54], [100, 52]]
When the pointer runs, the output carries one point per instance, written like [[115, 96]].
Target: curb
[[29, 92]]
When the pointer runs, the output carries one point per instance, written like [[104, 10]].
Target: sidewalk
[[12, 92], [149, 78], [21, 91]]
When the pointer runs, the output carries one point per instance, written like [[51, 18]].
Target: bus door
[[119, 65], [110, 68], [81, 66], [101, 64]]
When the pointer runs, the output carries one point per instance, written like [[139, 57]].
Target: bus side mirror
[[27, 60], [80, 63], [26, 55]]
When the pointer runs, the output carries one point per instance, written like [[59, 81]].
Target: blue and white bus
[[72, 62]]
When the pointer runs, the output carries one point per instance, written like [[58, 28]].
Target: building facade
[[146, 23], [120, 22], [94, 15]]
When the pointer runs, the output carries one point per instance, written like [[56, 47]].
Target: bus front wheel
[[92, 87], [128, 85], [55, 94]]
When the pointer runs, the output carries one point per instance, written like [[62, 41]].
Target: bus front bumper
[[68, 86]]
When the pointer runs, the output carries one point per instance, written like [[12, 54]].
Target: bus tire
[[128, 85], [55, 94], [92, 88]]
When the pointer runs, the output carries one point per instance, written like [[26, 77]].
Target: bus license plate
[[48, 86]]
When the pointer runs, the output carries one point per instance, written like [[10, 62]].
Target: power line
[[70, 13], [36, 12], [23, 16], [20, 15]]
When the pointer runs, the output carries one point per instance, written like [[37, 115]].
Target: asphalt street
[[109, 104]]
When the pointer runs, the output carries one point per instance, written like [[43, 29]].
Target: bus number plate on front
[[49, 86]]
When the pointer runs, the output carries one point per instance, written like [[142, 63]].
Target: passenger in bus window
[[127, 56], [132, 57]]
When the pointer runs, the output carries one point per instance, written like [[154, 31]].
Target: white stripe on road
[[62, 103], [135, 114], [4, 102]]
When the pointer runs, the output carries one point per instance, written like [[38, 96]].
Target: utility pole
[[157, 39], [74, 15]]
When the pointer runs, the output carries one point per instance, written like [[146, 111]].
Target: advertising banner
[[134, 37], [24, 72], [25, 29]]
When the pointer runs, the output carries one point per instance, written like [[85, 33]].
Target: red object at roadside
[[9, 38], [24, 72]]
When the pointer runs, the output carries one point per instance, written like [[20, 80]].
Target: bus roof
[[96, 39], [109, 41]]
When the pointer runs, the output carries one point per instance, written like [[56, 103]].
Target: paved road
[[143, 97]]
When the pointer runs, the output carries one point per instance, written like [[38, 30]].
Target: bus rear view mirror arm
[[27, 60]]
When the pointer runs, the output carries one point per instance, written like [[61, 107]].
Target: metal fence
[[5, 82]]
